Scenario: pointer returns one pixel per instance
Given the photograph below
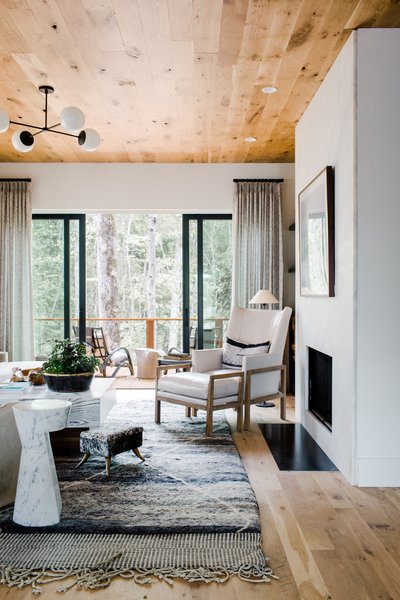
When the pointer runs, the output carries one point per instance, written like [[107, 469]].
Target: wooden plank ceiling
[[173, 80]]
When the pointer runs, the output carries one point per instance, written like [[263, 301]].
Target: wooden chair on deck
[[117, 358]]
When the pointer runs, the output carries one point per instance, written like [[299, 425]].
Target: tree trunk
[[107, 280], [176, 295], [151, 267]]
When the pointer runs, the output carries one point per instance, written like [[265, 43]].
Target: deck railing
[[150, 325]]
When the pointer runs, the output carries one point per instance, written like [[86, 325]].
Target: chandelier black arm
[[41, 129], [51, 130], [60, 132], [26, 125]]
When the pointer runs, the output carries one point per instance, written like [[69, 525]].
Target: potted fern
[[69, 368]]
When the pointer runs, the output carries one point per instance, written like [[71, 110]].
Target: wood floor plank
[[336, 488], [376, 555], [305, 571], [306, 498], [381, 516], [349, 571]]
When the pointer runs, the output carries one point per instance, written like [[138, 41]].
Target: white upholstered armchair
[[265, 375], [254, 350]]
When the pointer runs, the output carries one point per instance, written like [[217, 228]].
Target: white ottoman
[[38, 500]]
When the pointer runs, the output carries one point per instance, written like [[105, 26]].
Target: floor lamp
[[264, 298]]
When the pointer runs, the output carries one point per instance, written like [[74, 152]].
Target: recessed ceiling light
[[250, 139], [269, 89]]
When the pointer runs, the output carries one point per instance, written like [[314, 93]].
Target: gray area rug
[[188, 511]]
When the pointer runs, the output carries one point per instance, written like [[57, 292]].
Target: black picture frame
[[317, 236]]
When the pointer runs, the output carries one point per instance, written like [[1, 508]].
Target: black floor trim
[[294, 449]]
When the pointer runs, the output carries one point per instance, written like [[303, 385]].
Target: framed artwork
[[317, 236]]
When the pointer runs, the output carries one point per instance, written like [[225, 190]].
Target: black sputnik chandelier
[[72, 120]]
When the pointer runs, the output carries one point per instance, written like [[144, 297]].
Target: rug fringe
[[103, 574]]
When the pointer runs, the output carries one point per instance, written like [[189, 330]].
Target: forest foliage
[[133, 271]]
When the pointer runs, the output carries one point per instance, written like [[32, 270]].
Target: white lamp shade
[[264, 297], [23, 141], [72, 118], [4, 120], [89, 140]]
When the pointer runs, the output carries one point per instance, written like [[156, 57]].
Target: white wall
[[141, 187], [181, 188], [353, 124], [325, 136], [378, 244]]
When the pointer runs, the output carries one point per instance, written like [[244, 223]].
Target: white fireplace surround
[[353, 124]]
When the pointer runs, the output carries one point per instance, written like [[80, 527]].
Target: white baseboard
[[378, 472]]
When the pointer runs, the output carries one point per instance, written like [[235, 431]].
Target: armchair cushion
[[200, 403], [207, 360], [234, 352], [195, 385]]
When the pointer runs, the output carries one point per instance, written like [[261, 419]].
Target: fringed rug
[[188, 511]]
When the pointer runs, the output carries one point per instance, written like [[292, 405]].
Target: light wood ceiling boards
[[173, 80]]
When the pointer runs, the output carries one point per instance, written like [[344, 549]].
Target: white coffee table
[[88, 409], [38, 499]]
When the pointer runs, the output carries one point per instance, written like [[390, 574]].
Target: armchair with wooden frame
[[200, 391], [211, 384], [264, 372]]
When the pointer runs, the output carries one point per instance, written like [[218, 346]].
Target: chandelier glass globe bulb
[[72, 118], [89, 140], [4, 120], [23, 141]]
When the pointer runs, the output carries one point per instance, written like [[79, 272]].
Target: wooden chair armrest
[[227, 375], [178, 365], [266, 369]]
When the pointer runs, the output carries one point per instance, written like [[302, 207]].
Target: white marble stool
[[38, 500]]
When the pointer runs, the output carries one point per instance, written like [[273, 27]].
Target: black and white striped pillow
[[234, 351]]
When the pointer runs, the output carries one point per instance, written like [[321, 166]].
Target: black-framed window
[[59, 276], [207, 278]]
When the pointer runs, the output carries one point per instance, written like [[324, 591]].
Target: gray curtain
[[257, 241], [16, 313]]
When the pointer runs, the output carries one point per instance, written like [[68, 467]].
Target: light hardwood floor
[[325, 538]]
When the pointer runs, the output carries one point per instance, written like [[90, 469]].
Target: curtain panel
[[16, 307], [257, 241]]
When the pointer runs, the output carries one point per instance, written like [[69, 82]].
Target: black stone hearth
[[294, 449]]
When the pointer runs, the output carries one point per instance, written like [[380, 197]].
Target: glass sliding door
[[207, 277], [59, 284]]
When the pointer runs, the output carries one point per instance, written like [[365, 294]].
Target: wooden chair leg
[[239, 419], [137, 452], [283, 390], [283, 408], [210, 408], [209, 424], [158, 411], [108, 463], [247, 396]]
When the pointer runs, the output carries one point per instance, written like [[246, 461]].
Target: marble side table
[[38, 499]]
